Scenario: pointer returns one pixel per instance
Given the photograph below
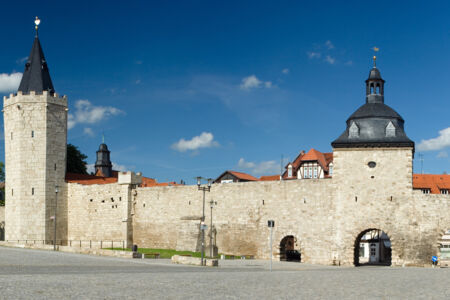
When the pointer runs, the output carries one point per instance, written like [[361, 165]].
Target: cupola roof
[[374, 124]]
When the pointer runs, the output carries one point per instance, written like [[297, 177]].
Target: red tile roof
[[89, 179], [269, 178], [434, 182], [314, 155], [238, 175], [243, 176], [150, 182]]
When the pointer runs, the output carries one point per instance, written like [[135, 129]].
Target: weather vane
[[375, 49], [37, 22]]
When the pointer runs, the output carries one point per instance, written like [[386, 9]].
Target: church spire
[[36, 76]]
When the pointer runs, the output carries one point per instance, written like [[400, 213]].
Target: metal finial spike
[[375, 49], [37, 22], [103, 138]]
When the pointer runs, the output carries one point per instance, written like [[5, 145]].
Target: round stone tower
[[35, 126]]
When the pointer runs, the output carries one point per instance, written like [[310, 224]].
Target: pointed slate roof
[[36, 76]]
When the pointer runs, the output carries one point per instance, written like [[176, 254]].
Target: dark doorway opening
[[373, 247], [287, 249]]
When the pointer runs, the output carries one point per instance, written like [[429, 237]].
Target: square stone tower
[[35, 126], [372, 173]]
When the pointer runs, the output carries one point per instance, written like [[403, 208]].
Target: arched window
[[290, 170], [378, 89]]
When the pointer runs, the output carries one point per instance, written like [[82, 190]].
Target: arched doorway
[[373, 247], [288, 251], [444, 249]]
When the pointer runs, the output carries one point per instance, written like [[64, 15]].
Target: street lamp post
[[202, 224], [211, 203], [54, 225]]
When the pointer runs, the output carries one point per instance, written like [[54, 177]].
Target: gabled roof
[[434, 182], [36, 76], [314, 155], [238, 175]]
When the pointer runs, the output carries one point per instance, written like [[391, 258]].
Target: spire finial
[[37, 22], [103, 137], [375, 49]]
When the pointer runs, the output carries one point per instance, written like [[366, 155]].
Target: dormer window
[[444, 191], [426, 191], [390, 130], [290, 170], [353, 131]]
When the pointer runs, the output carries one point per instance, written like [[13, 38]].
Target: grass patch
[[164, 253]]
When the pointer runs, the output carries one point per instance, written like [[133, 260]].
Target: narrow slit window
[[32, 133], [11, 135], [32, 191]]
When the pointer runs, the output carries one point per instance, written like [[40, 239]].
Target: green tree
[[76, 161], [2, 172]]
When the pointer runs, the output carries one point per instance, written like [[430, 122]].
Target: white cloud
[[285, 71], [349, 63], [312, 55], [204, 140], [90, 168], [22, 60], [138, 81], [268, 84], [86, 113], [330, 60], [329, 45], [9, 82], [252, 82], [438, 143], [269, 167], [442, 154], [88, 131], [117, 167]]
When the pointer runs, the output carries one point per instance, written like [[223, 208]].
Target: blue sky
[[187, 88]]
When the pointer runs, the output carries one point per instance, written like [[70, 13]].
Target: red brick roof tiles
[[269, 178], [434, 182]]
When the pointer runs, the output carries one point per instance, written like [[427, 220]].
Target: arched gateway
[[372, 247], [288, 251]]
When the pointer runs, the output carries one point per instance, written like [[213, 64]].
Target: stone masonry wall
[[97, 212]]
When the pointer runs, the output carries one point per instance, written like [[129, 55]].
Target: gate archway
[[288, 251], [372, 247]]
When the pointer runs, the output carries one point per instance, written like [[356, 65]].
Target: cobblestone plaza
[[36, 274]]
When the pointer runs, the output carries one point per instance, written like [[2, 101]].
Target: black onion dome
[[375, 74], [374, 124], [103, 147]]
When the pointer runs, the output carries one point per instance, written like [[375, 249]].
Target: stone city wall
[[97, 213], [325, 216]]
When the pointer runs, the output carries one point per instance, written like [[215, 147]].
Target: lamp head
[[199, 180], [209, 182]]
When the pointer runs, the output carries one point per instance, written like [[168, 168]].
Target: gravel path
[[37, 274]]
